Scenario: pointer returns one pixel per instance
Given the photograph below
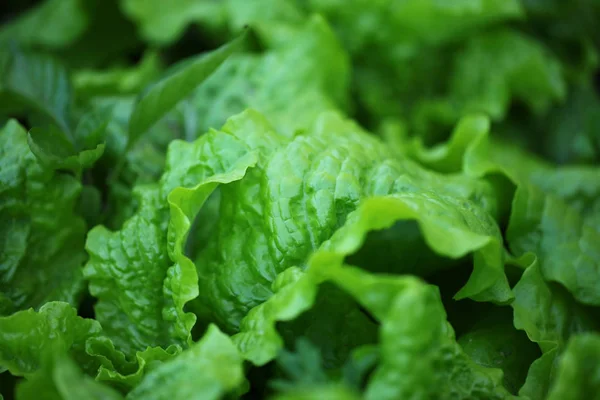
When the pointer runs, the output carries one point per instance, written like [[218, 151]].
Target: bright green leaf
[[578, 372], [62, 380], [333, 392], [27, 337], [308, 189], [208, 370]]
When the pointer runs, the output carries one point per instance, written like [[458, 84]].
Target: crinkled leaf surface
[[43, 236], [553, 224], [276, 218], [301, 192], [137, 261], [208, 370], [554, 210], [29, 336], [126, 267]]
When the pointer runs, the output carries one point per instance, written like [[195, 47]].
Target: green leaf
[[63, 380], [550, 316], [91, 127], [578, 374], [36, 84], [209, 369], [333, 392], [495, 343], [27, 337], [553, 216], [295, 293], [126, 271], [44, 237], [309, 188], [143, 259], [392, 43], [53, 24], [291, 83], [561, 238], [426, 358], [55, 150], [392, 25], [420, 20], [572, 133], [117, 80], [440, 226], [184, 206], [178, 83], [495, 68], [430, 360], [50, 145], [120, 372], [303, 367], [143, 163], [6, 305], [138, 259], [417, 318], [554, 211], [332, 308], [448, 156], [162, 24], [539, 376]]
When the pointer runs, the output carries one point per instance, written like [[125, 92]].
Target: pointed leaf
[[175, 86], [35, 83]]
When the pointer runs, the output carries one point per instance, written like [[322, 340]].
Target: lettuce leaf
[[381, 296], [354, 199], [333, 392], [61, 379], [61, 22], [41, 231], [578, 372], [29, 337], [553, 221], [312, 183], [209, 369], [291, 83]]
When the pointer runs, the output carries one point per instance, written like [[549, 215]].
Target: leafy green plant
[[300, 199]]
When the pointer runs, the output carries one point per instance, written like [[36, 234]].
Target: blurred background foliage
[[417, 66]]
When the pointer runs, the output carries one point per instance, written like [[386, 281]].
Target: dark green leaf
[[35, 84], [52, 23], [175, 86], [41, 233]]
